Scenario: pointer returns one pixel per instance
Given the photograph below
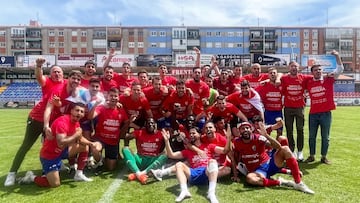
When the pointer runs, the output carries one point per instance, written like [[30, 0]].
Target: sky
[[286, 13]]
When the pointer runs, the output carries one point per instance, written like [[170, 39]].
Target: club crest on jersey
[[253, 148]]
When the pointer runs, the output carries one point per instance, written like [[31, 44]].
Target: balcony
[[259, 49]]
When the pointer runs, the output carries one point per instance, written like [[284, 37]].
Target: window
[[2, 33], [61, 44], [285, 45], [293, 45], [162, 33], [306, 45], [230, 34], [314, 45], [285, 34], [153, 45], [83, 45], [306, 34], [99, 43], [73, 45], [209, 44], [293, 34], [217, 44], [239, 34], [73, 33], [230, 45], [218, 34], [162, 44], [314, 34], [140, 44], [153, 33], [239, 45], [131, 44], [52, 33], [52, 44], [2, 44], [61, 33], [140, 33], [113, 44], [131, 33], [83, 33], [208, 34]]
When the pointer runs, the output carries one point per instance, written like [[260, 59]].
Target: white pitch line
[[10, 137], [110, 192]]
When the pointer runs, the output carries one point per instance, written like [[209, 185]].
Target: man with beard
[[51, 85], [166, 80], [249, 149], [112, 123], [202, 170], [107, 80], [150, 147], [66, 141], [201, 93], [89, 72]]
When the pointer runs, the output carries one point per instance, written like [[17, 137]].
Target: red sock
[[71, 161], [294, 167], [81, 160], [41, 181], [270, 182], [283, 170]]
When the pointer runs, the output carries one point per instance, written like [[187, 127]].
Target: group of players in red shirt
[[215, 123]]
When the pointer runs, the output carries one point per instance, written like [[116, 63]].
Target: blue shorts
[[86, 125], [54, 164], [270, 117], [268, 168], [198, 176]]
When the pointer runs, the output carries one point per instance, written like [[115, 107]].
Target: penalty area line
[[110, 192]]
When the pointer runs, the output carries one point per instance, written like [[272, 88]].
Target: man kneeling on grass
[[65, 141]]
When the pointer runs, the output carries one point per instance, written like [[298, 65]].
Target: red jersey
[[252, 154], [250, 105], [271, 96], [106, 85], [149, 144], [48, 90], [227, 114], [255, 81], [123, 83], [200, 90], [134, 107], [155, 100], [293, 90], [62, 125], [195, 160], [321, 94], [218, 140], [224, 89], [236, 81], [184, 101], [168, 80], [109, 121]]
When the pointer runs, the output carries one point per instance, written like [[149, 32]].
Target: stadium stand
[[21, 93]]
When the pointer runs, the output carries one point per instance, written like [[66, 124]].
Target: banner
[[271, 59], [327, 62], [7, 61], [30, 60], [230, 60], [12, 75], [153, 60], [189, 60], [73, 59], [116, 61]]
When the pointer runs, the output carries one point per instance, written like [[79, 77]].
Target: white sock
[[212, 186], [12, 173], [183, 187], [166, 172]]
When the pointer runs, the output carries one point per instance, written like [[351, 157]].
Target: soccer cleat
[[28, 178], [212, 198], [143, 179], [286, 183], [10, 179], [132, 176], [157, 174], [63, 167], [90, 162], [302, 187], [183, 195], [79, 176], [300, 156]]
